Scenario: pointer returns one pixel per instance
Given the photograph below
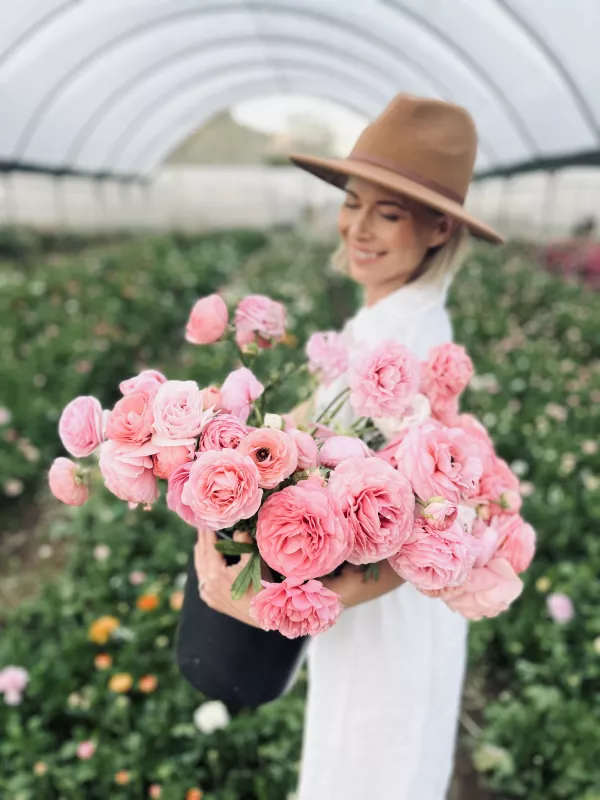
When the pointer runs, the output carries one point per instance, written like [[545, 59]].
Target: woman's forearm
[[354, 589]]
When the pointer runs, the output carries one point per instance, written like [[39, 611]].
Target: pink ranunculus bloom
[[66, 482], [177, 481], [259, 319], [179, 414], [439, 513], [417, 412], [130, 421], [80, 426], [434, 559], [485, 542], [274, 452], [340, 448], [445, 375], [516, 541], [13, 682], [488, 591], [211, 398], [321, 432], [86, 749], [222, 432], [294, 608], [239, 390], [384, 381], [388, 453], [301, 531], [379, 505], [560, 607], [496, 480], [327, 356], [207, 321], [440, 461], [168, 459], [307, 448], [147, 381], [128, 472], [223, 488]]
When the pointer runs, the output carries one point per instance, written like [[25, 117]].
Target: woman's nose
[[361, 224]]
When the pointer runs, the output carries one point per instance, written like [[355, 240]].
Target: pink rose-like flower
[[211, 398], [294, 608], [560, 607], [207, 321], [168, 459], [222, 488], [307, 448], [177, 480], [434, 559], [379, 505], [444, 376], [86, 749], [137, 577], [240, 389], [13, 682], [516, 541], [301, 531], [147, 381], [222, 432], [417, 411], [439, 513], [179, 415], [327, 356], [488, 591], [440, 461], [259, 319], [130, 421], [340, 448], [384, 381], [274, 453], [66, 482], [485, 542], [389, 452], [80, 426], [128, 472]]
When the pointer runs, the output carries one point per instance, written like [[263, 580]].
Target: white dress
[[385, 681]]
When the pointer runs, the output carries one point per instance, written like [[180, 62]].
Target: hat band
[[411, 175]]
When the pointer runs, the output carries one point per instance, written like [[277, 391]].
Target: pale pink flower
[[13, 682], [417, 412], [444, 376], [5, 416], [240, 389], [307, 448], [439, 513], [128, 472], [155, 791], [485, 542], [301, 531], [223, 431], [379, 505], [137, 577], [179, 415], [86, 749], [327, 356], [384, 381], [147, 381], [274, 453], [80, 426], [211, 398], [516, 541], [339, 448], [488, 591], [389, 452], [66, 482], [101, 552], [130, 421], [167, 459], [560, 607], [497, 483], [177, 480], [207, 321], [259, 319], [222, 488], [294, 608]]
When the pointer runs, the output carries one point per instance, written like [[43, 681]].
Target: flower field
[[100, 710]]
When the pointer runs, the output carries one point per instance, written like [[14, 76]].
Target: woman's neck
[[373, 294]]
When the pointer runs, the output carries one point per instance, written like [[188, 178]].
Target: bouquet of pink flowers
[[411, 481]]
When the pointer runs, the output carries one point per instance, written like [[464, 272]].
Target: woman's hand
[[354, 589], [215, 578]]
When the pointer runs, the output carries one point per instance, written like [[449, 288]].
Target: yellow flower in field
[[103, 661], [543, 584], [597, 645], [100, 631], [176, 600], [122, 777], [148, 602], [121, 682], [148, 683], [289, 340], [194, 794], [40, 768]]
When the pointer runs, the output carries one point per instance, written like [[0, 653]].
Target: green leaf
[[256, 572], [244, 579], [229, 548]]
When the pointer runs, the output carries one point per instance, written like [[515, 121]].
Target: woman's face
[[387, 235]]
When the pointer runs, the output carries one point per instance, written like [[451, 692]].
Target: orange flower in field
[[100, 631], [121, 682], [103, 661], [176, 601], [194, 794], [122, 777], [148, 683], [147, 602]]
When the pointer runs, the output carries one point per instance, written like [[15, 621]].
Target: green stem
[[332, 409]]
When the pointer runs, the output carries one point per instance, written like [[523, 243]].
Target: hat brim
[[337, 172]]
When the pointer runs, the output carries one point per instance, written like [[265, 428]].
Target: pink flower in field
[[223, 431], [274, 453], [259, 319], [307, 448], [155, 791], [147, 381], [211, 398], [128, 472], [130, 421], [327, 356], [384, 381], [207, 321], [560, 607], [168, 459], [294, 608], [13, 682], [301, 531], [444, 376], [80, 426], [488, 591], [222, 488], [137, 577], [516, 539], [66, 482], [440, 461], [379, 505], [239, 391], [339, 448], [177, 481], [179, 414], [86, 749], [434, 559], [439, 513]]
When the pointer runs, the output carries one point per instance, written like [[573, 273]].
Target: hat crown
[[432, 139]]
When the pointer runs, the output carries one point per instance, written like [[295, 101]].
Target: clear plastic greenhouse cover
[[112, 86]]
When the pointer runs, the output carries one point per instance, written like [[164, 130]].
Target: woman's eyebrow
[[397, 203]]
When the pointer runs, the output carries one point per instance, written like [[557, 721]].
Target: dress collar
[[408, 301]]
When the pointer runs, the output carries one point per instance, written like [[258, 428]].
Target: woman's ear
[[443, 229]]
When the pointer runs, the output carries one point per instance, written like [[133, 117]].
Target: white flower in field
[[180, 580], [101, 552], [13, 487], [490, 757], [124, 634], [5, 416], [45, 551], [211, 716], [273, 421]]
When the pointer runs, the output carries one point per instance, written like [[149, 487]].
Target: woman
[[385, 681]]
